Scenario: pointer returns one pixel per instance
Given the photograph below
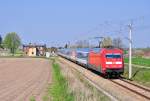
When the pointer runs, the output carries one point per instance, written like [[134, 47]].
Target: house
[[147, 54], [34, 50], [4, 52]]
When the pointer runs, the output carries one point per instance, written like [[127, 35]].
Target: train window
[[82, 55], [113, 56]]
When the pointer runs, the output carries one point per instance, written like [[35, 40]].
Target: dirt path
[[23, 78]]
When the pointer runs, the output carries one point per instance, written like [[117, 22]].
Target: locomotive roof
[[87, 50]]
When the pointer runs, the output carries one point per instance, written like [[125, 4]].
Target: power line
[[114, 28]]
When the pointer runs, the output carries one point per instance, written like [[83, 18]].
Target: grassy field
[[58, 90], [139, 61], [140, 75]]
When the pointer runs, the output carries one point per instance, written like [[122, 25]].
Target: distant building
[[147, 54], [4, 52], [34, 50]]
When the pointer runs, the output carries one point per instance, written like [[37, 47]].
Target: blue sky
[[55, 22]]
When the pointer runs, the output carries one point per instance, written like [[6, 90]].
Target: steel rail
[[132, 90]]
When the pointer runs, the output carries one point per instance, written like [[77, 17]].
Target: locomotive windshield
[[113, 56]]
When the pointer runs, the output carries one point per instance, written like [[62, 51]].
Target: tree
[[106, 42], [82, 44], [12, 41], [117, 43], [66, 46], [1, 40]]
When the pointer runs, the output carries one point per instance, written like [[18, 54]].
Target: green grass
[[139, 75], [58, 90], [139, 61], [32, 98]]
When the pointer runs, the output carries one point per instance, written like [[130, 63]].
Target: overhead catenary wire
[[113, 29]]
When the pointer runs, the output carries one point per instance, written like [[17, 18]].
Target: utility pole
[[130, 50], [68, 44]]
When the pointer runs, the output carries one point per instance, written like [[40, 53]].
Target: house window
[[32, 52], [26, 52]]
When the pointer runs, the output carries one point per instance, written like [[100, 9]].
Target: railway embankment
[[80, 87], [115, 91]]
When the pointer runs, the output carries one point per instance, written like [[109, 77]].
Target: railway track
[[137, 90], [137, 85]]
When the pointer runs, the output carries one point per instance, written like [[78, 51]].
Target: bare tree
[[66, 46], [106, 42], [1, 39], [117, 43], [82, 44]]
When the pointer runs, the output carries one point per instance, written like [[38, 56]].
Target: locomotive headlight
[[118, 62], [108, 63]]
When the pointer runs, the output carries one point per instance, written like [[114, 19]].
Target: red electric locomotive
[[107, 61]]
